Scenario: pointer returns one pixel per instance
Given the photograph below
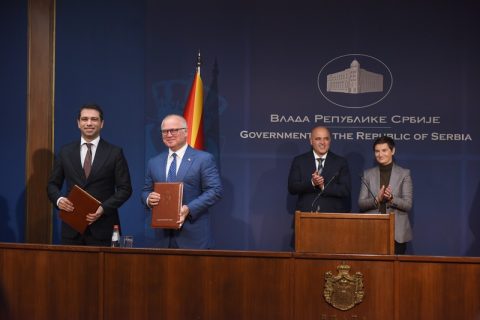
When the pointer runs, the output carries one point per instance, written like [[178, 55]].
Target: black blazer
[[109, 182], [335, 197]]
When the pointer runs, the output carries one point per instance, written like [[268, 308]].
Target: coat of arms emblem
[[343, 291]]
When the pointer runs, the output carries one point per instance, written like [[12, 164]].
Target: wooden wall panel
[[378, 276], [439, 289], [44, 284], [67, 282], [41, 45], [197, 287]]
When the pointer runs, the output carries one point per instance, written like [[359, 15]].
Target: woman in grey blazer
[[387, 187]]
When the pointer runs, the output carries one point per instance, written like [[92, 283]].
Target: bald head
[[320, 140]]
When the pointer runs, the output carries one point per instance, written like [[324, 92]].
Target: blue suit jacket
[[202, 188], [335, 197]]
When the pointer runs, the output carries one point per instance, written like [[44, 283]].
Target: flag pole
[[193, 110], [199, 62]]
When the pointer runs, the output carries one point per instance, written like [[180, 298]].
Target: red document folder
[[166, 214], [84, 204]]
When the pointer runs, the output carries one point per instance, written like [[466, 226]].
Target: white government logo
[[354, 80], [355, 87]]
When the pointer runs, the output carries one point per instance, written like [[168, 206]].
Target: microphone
[[377, 205], [321, 192]]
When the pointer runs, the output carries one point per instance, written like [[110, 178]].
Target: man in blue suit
[[319, 177], [201, 186]]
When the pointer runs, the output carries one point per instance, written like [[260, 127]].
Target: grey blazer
[[402, 188]]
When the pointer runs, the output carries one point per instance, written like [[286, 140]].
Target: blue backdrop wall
[[13, 88], [100, 58], [265, 69]]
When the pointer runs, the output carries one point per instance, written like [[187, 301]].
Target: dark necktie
[[87, 163], [172, 171], [320, 165]]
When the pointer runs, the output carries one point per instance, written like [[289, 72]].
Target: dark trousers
[[86, 239], [172, 242], [400, 248]]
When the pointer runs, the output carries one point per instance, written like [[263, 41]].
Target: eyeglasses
[[173, 132]]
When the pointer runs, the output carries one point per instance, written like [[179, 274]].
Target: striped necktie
[[320, 165]]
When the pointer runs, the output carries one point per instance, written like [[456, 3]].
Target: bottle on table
[[116, 236]]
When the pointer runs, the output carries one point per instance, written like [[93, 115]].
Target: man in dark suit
[[320, 178], [99, 168], [201, 186]]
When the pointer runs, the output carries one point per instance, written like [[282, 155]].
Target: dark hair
[[384, 139], [92, 106]]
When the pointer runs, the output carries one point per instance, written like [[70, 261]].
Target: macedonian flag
[[193, 111]]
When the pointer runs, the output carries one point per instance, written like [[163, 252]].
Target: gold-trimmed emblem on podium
[[343, 291]]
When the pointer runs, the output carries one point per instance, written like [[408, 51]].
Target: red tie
[[87, 164]]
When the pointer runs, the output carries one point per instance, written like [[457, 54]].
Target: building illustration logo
[[365, 83], [354, 80]]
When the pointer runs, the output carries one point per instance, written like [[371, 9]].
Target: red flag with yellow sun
[[193, 111]]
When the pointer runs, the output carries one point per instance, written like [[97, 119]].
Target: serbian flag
[[193, 112]]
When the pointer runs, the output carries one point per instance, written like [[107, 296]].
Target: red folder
[[84, 204]]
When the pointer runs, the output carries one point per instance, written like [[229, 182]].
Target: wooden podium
[[349, 233]]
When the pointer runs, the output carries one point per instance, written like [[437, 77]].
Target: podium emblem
[[343, 291]]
